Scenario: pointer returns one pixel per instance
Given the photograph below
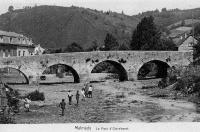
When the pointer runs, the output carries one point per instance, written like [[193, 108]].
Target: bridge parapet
[[84, 62]]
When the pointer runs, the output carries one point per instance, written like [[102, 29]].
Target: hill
[[57, 27], [166, 17]]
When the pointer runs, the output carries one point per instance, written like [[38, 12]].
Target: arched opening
[[13, 76], [153, 69], [59, 73], [109, 70]]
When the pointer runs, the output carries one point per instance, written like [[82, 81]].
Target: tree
[[94, 46], [167, 44], [197, 31], [124, 46], [197, 49], [74, 47], [164, 9], [146, 36], [110, 42], [10, 8]]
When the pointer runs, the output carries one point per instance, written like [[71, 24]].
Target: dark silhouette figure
[[77, 97], [62, 106], [70, 97]]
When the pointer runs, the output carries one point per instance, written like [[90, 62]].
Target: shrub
[[12, 97], [36, 95], [172, 79], [180, 85], [6, 120], [162, 83]]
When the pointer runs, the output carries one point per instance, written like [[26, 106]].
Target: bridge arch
[[120, 70], [157, 69], [66, 68], [15, 69]]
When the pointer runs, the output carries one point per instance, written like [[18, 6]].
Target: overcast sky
[[130, 7]]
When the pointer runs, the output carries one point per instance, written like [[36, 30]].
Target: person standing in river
[[83, 94], [62, 106], [70, 97], [90, 88], [77, 97]]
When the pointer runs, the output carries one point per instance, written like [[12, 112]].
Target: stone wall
[[84, 62]]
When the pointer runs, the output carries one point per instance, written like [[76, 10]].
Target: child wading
[[62, 106], [86, 86], [90, 91], [83, 94], [27, 104], [77, 96], [70, 97]]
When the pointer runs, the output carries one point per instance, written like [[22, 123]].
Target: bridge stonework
[[84, 62]]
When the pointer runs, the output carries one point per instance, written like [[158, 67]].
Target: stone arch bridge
[[82, 63]]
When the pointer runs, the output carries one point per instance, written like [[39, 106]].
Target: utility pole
[[192, 28]]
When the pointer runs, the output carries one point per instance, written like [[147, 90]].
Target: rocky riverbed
[[138, 101]]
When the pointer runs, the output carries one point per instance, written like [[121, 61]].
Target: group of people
[[11, 100], [85, 92]]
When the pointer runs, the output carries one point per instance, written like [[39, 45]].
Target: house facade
[[179, 34], [187, 44], [14, 44]]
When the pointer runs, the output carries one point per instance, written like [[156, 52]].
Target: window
[[19, 53], [23, 53], [190, 44], [1, 38], [10, 40]]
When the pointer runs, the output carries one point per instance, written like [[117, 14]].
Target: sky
[[129, 7]]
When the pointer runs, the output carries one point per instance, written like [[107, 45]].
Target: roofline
[[15, 36], [22, 45]]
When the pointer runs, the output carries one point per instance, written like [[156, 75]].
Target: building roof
[[184, 29], [10, 34], [21, 45], [187, 40], [15, 39]]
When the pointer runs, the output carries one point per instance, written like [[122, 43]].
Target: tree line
[[146, 36]]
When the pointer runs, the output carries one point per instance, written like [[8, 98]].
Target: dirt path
[[153, 109], [112, 102]]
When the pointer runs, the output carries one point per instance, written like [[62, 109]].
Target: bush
[[13, 98], [6, 120], [180, 85], [36, 96], [162, 83]]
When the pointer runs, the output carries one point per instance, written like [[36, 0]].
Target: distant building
[[14, 44], [38, 50], [187, 44], [179, 34]]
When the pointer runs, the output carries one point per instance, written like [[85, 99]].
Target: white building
[[14, 44], [187, 44], [38, 50]]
